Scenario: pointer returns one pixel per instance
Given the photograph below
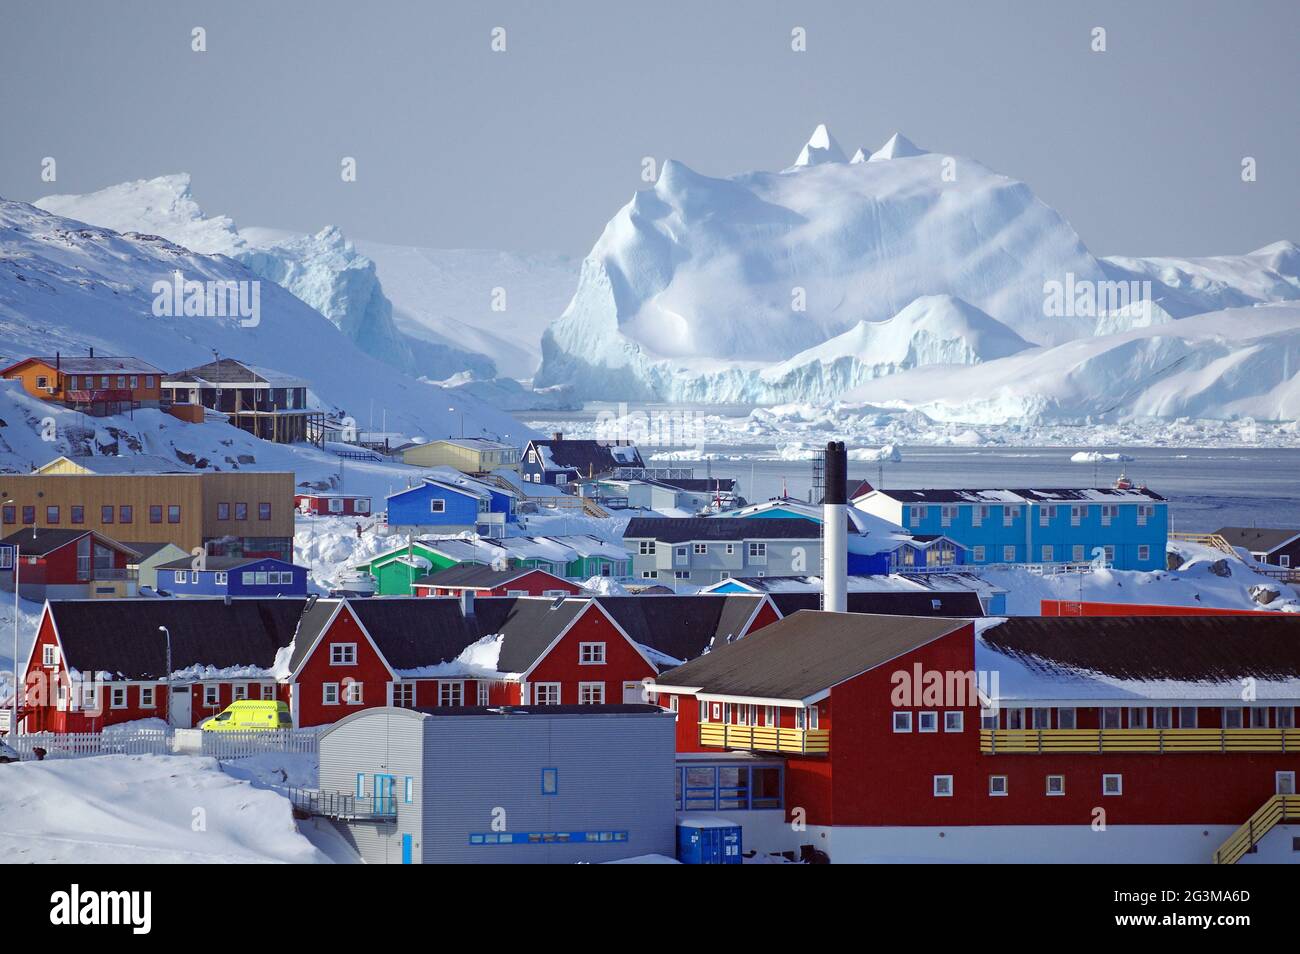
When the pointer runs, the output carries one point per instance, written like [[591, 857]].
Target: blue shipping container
[[712, 842]]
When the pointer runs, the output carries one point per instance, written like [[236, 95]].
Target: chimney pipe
[[557, 436], [92, 352], [467, 603], [835, 544]]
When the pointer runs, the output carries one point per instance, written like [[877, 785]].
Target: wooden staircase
[[1205, 540], [1278, 809]]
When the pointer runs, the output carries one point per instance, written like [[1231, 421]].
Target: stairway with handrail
[[1278, 809]]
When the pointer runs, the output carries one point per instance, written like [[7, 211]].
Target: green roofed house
[[395, 570]]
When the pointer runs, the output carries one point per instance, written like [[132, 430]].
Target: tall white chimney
[[835, 544]]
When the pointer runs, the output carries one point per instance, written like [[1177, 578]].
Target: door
[[178, 708], [406, 849], [385, 799]]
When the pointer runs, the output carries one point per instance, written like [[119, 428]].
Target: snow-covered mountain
[[324, 270], [1238, 363], [67, 286], [703, 288]]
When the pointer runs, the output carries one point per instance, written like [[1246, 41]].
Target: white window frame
[[928, 716], [329, 693], [591, 693], [221, 577], [1077, 553], [905, 725], [117, 697], [1062, 718], [1048, 786], [993, 792], [1182, 715], [1278, 779], [942, 786], [1119, 784], [148, 697], [1077, 513], [482, 693], [336, 505], [954, 716], [546, 688], [1009, 553], [451, 693], [1009, 514], [437, 505], [353, 693], [238, 691], [978, 554], [49, 655], [1144, 551], [591, 654], [1048, 554], [211, 695], [701, 549], [343, 654]]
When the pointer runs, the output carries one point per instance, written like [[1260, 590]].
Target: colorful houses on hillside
[[271, 405], [1126, 526]]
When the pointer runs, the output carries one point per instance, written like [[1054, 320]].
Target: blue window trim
[[555, 780], [361, 785], [694, 798], [408, 789], [480, 839]]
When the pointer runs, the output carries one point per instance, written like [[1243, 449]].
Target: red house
[[1088, 608], [327, 504], [68, 564], [349, 655], [481, 580], [1040, 739], [96, 663]]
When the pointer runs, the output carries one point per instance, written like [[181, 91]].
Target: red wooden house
[[482, 580], [101, 662], [1040, 739], [329, 504], [68, 564], [349, 655]]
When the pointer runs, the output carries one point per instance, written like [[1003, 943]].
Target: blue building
[[233, 576], [451, 502], [1125, 526]]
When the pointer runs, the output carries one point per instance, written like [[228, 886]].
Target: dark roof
[[230, 371], [955, 603], [682, 627], [45, 540], [121, 637], [698, 484], [1150, 648], [807, 653], [219, 562], [1257, 539], [686, 529], [588, 457], [476, 576]]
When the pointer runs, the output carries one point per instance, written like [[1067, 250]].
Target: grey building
[[701, 551], [545, 784]]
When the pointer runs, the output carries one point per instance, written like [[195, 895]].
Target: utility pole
[[167, 677]]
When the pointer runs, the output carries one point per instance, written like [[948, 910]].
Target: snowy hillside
[[1238, 363], [66, 286], [324, 270], [699, 284]]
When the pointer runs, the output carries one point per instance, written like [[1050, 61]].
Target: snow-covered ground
[[146, 809]]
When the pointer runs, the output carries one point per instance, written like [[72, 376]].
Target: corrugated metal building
[[540, 784]]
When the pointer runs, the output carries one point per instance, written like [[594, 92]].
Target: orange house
[[97, 385]]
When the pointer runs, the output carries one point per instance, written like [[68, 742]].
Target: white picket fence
[[221, 745]]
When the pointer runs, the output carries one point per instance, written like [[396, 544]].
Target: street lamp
[[167, 678], [13, 715]]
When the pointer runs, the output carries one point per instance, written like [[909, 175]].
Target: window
[[532, 456], [758, 551], [978, 515], [194, 576], [1076, 553], [953, 721], [1284, 559], [248, 577], [121, 382], [917, 513], [1108, 513], [179, 576], [173, 513], [404, 695], [1112, 785], [591, 693], [1065, 719], [1108, 553], [1042, 718], [1232, 718], [1009, 554], [1048, 554], [1284, 783], [902, 722], [155, 513], [1110, 718], [1144, 552], [1187, 717], [105, 515], [52, 514], [1056, 785], [211, 695], [647, 548], [1286, 717], [681, 574], [1077, 513], [117, 697], [239, 691], [361, 785], [701, 549], [730, 549], [997, 785], [451, 692], [929, 722], [591, 654], [335, 505], [1009, 515], [10, 514], [343, 654], [483, 695], [42, 382], [49, 655], [1258, 717], [352, 692], [223, 511], [266, 690], [78, 513], [943, 786], [1144, 512], [148, 380], [977, 554], [1137, 718], [147, 697], [125, 514], [947, 514], [241, 511], [221, 577], [1046, 515], [550, 781], [437, 506], [408, 790], [546, 694], [1015, 718], [362, 505], [1162, 718], [135, 381], [649, 574]]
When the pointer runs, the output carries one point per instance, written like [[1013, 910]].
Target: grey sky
[[1139, 147]]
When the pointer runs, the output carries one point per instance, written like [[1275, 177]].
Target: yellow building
[[469, 455]]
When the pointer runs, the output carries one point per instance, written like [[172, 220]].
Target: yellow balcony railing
[[763, 738], [1277, 809], [1049, 741]]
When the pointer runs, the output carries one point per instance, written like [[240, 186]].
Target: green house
[[395, 570]]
